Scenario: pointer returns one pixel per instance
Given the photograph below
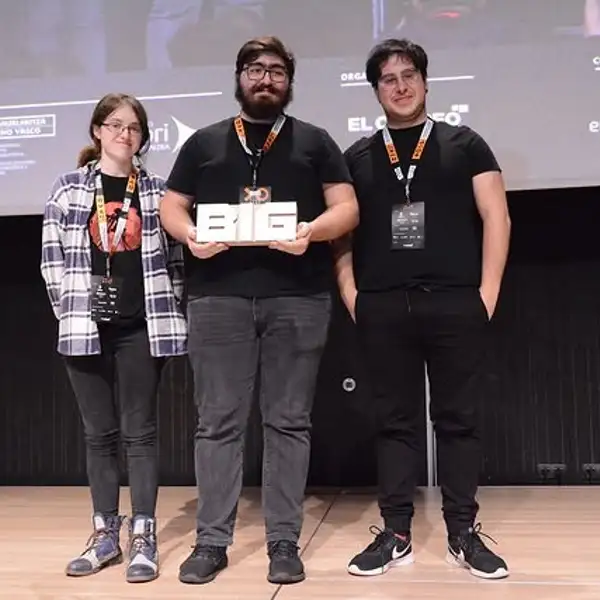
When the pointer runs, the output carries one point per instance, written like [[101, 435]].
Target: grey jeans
[[231, 340]]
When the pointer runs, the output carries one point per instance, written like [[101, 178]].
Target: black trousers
[[116, 395], [400, 332]]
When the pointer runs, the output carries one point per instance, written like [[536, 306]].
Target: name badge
[[247, 223], [105, 298], [408, 226]]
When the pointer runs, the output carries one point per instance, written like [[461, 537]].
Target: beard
[[413, 114], [265, 107]]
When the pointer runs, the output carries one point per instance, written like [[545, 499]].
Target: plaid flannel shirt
[[66, 266]]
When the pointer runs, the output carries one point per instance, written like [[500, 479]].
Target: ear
[[96, 132]]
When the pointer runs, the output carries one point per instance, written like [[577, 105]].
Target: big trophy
[[255, 221]]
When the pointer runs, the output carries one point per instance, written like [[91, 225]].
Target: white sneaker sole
[[500, 573], [409, 559]]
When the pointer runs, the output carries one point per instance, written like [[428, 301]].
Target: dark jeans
[[400, 332], [116, 394], [232, 339]]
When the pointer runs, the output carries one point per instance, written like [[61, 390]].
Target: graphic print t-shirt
[[126, 262]]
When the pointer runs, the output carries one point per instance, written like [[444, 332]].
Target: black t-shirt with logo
[[212, 167], [126, 262], [443, 182]]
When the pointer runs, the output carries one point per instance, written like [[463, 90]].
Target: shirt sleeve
[[182, 178], [331, 164], [480, 155], [53, 228]]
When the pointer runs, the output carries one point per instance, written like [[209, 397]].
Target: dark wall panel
[[541, 405]]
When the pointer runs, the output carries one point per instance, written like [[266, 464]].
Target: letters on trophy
[[254, 221]]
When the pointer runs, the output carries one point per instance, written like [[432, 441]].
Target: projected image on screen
[[523, 73], [464, 23]]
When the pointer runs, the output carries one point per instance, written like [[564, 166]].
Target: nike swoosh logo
[[459, 555]]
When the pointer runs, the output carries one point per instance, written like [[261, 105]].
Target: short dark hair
[[252, 49], [391, 47]]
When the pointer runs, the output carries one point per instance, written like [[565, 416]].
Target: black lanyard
[[122, 220], [416, 155], [255, 158]]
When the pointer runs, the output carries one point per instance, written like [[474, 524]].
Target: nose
[[402, 85]]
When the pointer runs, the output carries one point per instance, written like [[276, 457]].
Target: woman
[[115, 283]]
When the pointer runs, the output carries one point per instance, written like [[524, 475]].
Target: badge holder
[[105, 296], [408, 226]]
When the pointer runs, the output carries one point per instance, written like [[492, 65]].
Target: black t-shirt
[[212, 167], [126, 262], [443, 181]]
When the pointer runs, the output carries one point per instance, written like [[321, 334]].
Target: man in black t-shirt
[[260, 309], [421, 280]]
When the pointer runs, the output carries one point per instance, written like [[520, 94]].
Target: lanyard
[[256, 157], [416, 156], [122, 219]]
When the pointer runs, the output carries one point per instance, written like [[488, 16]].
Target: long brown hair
[[106, 106]]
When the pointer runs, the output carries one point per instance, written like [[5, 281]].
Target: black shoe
[[285, 565], [468, 550], [385, 551], [203, 564]]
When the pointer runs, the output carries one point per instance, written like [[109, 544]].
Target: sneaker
[[285, 565], [102, 548], [203, 564], [387, 550], [468, 550], [143, 552]]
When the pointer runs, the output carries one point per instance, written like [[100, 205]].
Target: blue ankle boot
[[143, 551], [102, 548]]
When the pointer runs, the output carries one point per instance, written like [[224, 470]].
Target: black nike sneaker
[[467, 550], [388, 549]]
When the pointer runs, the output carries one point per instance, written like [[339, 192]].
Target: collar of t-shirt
[[256, 134]]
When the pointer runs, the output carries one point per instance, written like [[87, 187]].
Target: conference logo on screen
[[455, 117], [169, 136], [594, 126], [27, 127]]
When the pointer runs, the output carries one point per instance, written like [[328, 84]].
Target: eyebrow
[[122, 120], [267, 65], [403, 72]]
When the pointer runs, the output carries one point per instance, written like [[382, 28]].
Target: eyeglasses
[[256, 72], [408, 78], [118, 128]]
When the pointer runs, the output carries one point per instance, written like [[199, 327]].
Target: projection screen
[[523, 73]]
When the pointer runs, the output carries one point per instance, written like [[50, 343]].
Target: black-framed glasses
[[257, 71], [118, 128]]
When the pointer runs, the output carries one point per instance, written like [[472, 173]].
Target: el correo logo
[[453, 117]]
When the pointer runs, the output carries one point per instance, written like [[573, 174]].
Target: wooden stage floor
[[549, 536]]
